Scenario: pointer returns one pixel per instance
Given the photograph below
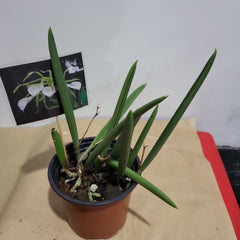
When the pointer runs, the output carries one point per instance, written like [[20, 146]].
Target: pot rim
[[55, 166]]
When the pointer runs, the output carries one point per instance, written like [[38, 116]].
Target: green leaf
[[143, 109], [143, 182], [132, 97], [58, 146], [179, 112], [123, 96], [63, 89], [123, 145], [142, 137]]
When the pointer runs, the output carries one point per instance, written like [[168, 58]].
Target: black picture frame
[[32, 91]]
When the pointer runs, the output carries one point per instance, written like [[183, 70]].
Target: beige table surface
[[30, 210]]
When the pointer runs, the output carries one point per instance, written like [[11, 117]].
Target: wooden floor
[[231, 160]]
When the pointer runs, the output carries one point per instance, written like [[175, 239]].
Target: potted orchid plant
[[94, 175]]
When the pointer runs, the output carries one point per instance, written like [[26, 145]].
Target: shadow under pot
[[101, 219]]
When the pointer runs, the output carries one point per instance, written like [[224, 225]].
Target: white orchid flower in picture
[[35, 89], [72, 66], [74, 85], [48, 91], [22, 103]]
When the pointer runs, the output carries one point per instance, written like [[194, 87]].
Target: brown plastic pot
[[96, 220]]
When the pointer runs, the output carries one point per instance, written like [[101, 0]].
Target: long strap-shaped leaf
[[142, 137], [124, 144], [179, 112], [123, 96], [131, 98], [63, 89], [143, 182], [58, 146]]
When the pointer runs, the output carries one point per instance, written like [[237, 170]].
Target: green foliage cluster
[[121, 158]]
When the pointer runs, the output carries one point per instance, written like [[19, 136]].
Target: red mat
[[211, 153]]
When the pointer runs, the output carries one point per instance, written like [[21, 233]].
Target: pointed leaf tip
[[214, 53], [135, 63], [50, 30]]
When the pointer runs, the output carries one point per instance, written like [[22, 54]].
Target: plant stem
[[96, 114]]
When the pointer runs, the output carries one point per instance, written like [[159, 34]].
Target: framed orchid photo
[[32, 92]]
